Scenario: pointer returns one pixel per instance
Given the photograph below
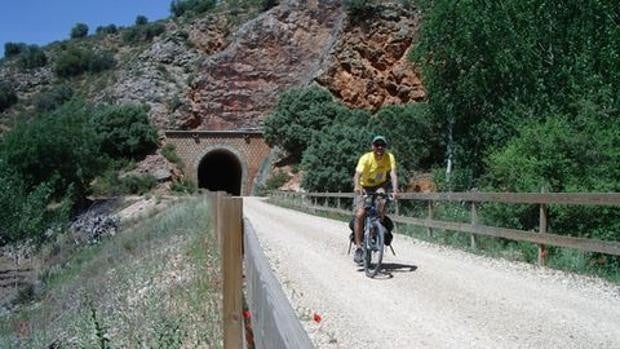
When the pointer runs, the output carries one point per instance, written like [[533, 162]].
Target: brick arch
[[248, 146], [243, 161]]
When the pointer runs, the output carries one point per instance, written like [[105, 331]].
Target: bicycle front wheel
[[373, 249]]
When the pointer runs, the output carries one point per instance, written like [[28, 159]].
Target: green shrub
[[32, 57], [108, 29], [359, 9], [60, 148], [275, 181], [80, 30], [183, 187], [141, 20], [75, 61], [143, 33], [124, 131], [7, 95], [330, 160], [169, 152], [12, 49], [180, 7], [53, 98], [268, 4], [298, 115]]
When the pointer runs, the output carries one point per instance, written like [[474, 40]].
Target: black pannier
[[387, 223]]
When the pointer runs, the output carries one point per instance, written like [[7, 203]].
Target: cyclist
[[371, 177]]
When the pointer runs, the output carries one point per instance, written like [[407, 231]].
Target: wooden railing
[[274, 322], [541, 237]]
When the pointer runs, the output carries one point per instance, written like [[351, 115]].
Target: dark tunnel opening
[[220, 170]]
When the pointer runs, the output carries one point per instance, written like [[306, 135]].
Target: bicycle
[[374, 242]]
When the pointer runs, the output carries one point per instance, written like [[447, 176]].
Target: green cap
[[379, 139]]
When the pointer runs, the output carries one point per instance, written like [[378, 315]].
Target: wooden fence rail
[[274, 322], [541, 237]]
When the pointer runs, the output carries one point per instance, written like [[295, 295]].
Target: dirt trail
[[434, 296]]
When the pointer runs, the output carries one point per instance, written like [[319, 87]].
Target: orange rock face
[[369, 66]]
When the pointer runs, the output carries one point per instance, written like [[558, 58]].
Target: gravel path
[[433, 296]]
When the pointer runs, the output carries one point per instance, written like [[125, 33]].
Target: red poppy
[[316, 318], [247, 314]]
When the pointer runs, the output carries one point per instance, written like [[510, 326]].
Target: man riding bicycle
[[371, 177]]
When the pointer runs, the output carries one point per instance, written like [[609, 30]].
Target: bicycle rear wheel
[[373, 250]]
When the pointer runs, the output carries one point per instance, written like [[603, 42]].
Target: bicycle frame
[[374, 234]]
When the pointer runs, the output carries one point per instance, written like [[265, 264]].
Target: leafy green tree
[[330, 160], [410, 132], [80, 30], [298, 115], [60, 148], [492, 66], [124, 131], [8, 97], [32, 57], [12, 49]]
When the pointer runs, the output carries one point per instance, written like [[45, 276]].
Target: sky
[[43, 21]]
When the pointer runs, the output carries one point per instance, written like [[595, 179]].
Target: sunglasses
[[380, 145]]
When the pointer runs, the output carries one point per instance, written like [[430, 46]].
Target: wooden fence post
[[542, 228], [473, 238], [232, 236], [430, 217]]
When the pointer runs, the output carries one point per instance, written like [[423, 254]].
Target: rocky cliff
[[225, 72]]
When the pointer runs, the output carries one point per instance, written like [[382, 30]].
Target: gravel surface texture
[[429, 295]]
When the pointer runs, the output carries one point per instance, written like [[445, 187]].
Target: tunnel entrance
[[220, 170]]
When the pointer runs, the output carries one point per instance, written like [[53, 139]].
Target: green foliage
[[141, 20], [330, 160], [124, 131], [80, 30], [410, 133], [183, 187], [75, 61], [60, 148], [12, 49], [169, 152], [274, 182], [23, 211], [181, 7], [298, 115], [7, 95], [53, 98], [108, 29], [32, 57], [143, 33], [491, 66], [359, 9]]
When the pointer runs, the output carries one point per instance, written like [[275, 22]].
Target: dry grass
[[156, 284]]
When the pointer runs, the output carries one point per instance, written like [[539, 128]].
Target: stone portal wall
[[248, 146]]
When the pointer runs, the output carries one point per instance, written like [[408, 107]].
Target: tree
[[32, 57], [298, 115], [330, 160], [124, 131], [80, 30]]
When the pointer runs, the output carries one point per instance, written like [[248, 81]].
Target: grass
[[155, 284]]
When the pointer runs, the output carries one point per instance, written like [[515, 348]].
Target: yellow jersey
[[374, 171]]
